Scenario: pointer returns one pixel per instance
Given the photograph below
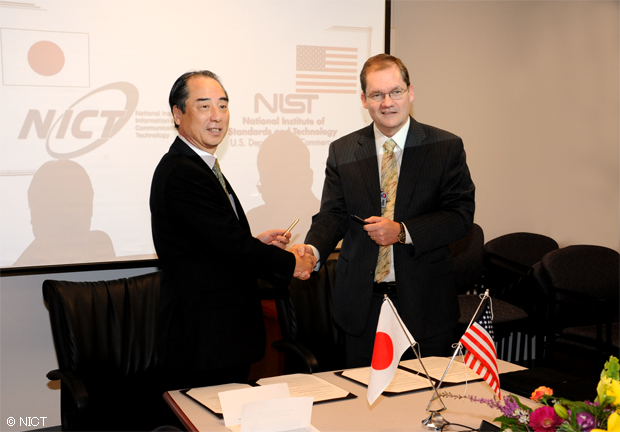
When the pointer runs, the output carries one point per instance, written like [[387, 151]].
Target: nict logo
[[94, 119]]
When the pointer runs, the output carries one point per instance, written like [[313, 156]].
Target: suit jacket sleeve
[[196, 217], [443, 195]]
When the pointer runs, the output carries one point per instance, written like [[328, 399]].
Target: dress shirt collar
[[400, 137], [205, 155]]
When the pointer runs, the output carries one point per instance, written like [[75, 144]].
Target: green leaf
[[611, 369]]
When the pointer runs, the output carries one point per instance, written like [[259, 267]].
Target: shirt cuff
[[316, 253], [408, 237]]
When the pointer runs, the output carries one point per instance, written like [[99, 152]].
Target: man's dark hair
[[380, 62], [179, 94]]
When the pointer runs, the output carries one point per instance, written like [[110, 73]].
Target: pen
[[291, 227], [359, 220]]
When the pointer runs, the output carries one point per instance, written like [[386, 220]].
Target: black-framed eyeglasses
[[395, 94]]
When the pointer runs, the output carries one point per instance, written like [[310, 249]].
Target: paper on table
[[403, 381], [208, 396], [436, 366], [300, 385], [232, 401], [277, 415]]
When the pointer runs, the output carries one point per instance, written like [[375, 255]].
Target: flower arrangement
[[558, 414]]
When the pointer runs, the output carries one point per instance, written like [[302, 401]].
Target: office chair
[[510, 257], [105, 336], [311, 341], [508, 320], [582, 287], [467, 254]]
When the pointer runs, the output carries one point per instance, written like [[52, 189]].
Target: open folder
[[410, 375], [300, 385]]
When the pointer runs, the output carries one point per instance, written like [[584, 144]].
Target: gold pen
[[291, 227]]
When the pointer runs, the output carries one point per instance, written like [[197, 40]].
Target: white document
[[301, 385], [209, 397], [436, 367], [232, 401], [277, 415], [403, 381]]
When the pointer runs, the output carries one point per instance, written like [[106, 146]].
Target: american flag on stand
[[322, 69], [481, 356]]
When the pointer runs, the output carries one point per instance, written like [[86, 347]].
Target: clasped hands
[[305, 261], [382, 231]]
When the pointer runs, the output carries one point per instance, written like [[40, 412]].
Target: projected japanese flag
[[45, 58]]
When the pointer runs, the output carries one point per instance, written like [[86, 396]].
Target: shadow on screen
[[285, 184], [60, 198]]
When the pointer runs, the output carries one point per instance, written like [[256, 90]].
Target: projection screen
[[85, 118]]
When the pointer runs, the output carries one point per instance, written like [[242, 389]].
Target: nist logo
[[96, 117], [289, 104]]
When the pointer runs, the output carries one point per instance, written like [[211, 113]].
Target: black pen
[[359, 220]]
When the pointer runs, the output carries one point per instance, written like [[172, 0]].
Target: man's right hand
[[305, 261]]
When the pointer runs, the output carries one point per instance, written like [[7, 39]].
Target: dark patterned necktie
[[218, 173]]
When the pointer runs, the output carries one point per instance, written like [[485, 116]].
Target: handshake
[[305, 261]]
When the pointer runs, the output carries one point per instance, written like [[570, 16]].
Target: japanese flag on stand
[[391, 341], [481, 356]]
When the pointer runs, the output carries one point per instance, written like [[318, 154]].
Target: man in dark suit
[[209, 259], [411, 184]]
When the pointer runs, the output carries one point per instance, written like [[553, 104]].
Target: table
[[395, 413]]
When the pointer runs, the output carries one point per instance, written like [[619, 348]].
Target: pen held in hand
[[291, 227]]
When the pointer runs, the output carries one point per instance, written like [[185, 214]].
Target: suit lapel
[[180, 147], [366, 155], [413, 159]]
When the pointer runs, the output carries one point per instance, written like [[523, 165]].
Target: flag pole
[[460, 345], [415, 351], [435, 421]]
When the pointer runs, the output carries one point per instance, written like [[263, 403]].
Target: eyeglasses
[[395, 94]]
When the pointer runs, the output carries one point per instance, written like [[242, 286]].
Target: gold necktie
[[218, 173], [389, 180]]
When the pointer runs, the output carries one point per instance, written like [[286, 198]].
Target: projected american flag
[[323, 69]]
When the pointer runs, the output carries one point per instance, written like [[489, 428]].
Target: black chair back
[[582, 285], [508, 261], [311, 340], [105, 334], [467, 254]]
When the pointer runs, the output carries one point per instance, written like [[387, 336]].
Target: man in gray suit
[[411, 184]]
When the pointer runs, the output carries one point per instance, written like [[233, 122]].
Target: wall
[[532, 88]]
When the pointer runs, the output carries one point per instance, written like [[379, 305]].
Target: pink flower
[[544, 419]]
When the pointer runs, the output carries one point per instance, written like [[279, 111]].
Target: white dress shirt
[[400, 138]]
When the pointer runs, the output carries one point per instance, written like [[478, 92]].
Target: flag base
[[434, 421]]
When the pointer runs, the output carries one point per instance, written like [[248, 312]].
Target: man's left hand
[[275, 237], [382, 231]]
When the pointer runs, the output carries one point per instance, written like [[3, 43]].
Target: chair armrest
[[300, 351], [74, 384]]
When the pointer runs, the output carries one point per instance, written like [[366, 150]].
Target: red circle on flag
[[46, 58], [383, 353]]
